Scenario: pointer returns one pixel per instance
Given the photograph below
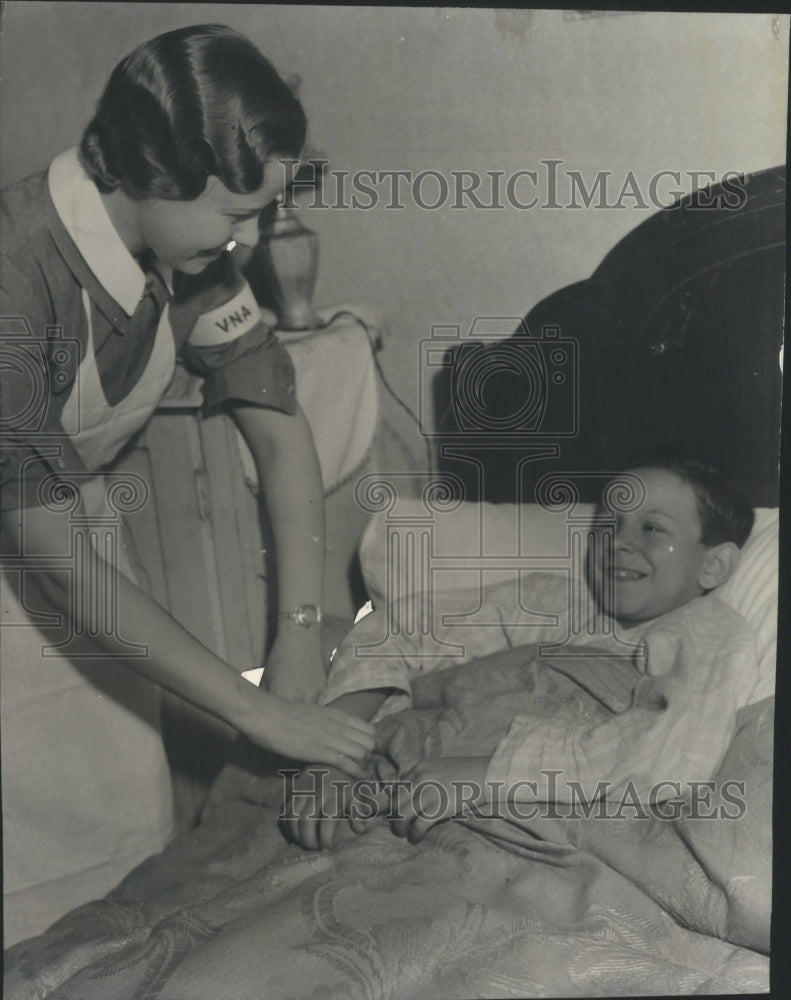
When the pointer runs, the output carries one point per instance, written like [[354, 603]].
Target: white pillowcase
[[752, 591]]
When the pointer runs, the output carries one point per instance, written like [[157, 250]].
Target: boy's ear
[[718, 564]]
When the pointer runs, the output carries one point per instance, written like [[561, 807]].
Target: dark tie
[[125, 355]]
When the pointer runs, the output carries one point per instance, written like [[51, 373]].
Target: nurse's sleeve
[[238, 355], [36, 376]]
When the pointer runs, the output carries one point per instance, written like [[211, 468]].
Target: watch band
[[304, 615]]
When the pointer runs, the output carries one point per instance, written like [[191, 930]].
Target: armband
[[228, 321]]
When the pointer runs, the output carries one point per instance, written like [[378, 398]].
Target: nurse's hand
[[308, 732]]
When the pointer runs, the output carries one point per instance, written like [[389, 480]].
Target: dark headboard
[[674, 342]]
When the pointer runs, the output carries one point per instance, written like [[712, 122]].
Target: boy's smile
[[655, 561], [620, 573]]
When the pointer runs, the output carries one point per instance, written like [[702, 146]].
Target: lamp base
[[293, 253]]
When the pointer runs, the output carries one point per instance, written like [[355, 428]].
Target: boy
[[680, 541]]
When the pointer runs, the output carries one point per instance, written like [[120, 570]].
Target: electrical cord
[[372, 340]]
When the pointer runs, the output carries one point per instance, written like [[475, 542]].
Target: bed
[[625, 906]]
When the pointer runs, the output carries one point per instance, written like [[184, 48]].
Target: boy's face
[[189, 235], [656, 563]]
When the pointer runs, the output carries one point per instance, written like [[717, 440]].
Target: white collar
[[81, 210]]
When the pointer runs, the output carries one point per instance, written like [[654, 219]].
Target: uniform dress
[[88, 344]]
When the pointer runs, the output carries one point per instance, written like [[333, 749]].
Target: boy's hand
[[436, 790], [319, 801]]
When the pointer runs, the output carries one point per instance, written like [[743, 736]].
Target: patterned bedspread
[[624, 906]]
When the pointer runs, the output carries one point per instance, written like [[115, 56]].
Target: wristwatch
[[304, 615]]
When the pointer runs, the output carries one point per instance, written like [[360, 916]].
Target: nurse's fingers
[[345, 763], [356, 724], [354, 746], [353, 727]]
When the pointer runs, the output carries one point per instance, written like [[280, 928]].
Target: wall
[[449, 90]]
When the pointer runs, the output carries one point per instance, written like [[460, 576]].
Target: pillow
[[752, 591], [465, 541], [459, 546]]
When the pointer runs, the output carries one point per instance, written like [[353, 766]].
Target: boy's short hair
[[186, 105], [723, 515]]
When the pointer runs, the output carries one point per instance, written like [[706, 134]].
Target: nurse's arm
[[288, 470], [176, 660]]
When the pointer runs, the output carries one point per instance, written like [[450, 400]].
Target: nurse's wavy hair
[[189, 104]]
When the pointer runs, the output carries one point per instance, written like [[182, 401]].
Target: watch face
[[306, 614]]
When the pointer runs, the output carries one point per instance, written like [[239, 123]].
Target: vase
[[292, 252]]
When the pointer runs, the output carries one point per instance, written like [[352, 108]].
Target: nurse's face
[[189, 235]]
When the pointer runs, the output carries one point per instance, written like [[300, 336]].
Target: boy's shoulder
[[709, 641], [708, 620]]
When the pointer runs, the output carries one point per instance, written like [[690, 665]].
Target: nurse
[[113, 263]]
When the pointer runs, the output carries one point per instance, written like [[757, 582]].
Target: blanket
[[620, 906]]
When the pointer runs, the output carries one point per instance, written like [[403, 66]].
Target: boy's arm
[[702, 665], [363, 704], [359, 680], [379, 653], [676, 732], [436, 790]]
